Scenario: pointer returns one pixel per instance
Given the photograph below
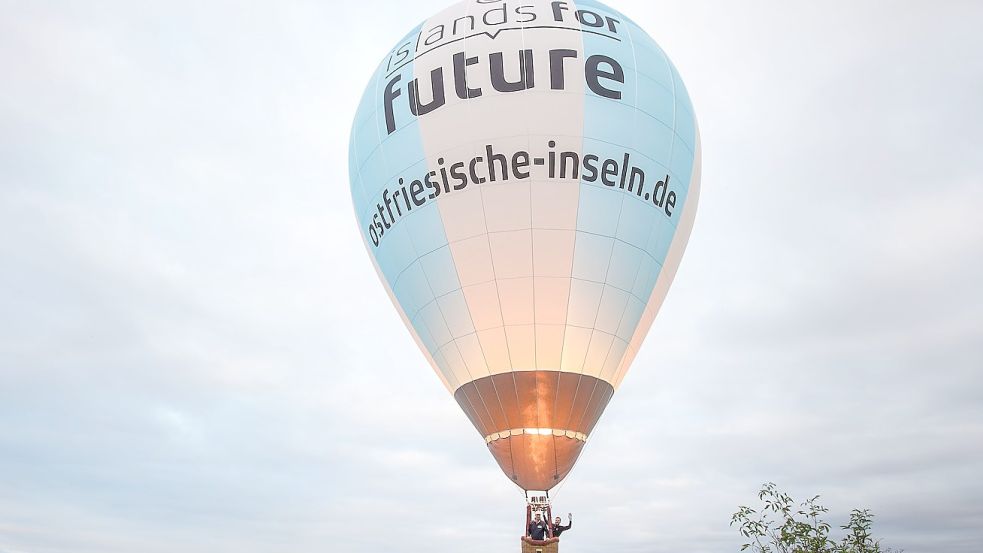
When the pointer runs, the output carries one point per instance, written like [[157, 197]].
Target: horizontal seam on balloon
[[608, 383]]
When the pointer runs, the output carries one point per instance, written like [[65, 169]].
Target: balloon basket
[[551, 545]]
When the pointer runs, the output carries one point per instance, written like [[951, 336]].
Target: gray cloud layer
[[195, 353]]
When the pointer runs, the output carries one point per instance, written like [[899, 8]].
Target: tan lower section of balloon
[[550, 404], [536, 462]]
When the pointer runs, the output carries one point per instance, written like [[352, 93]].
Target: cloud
[[195, 352]]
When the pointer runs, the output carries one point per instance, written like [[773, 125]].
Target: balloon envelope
[[525, 177]]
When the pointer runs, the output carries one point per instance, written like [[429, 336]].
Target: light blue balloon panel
[[413, 255], [623, 239]]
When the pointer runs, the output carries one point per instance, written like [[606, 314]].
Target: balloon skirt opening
[[535, 422]]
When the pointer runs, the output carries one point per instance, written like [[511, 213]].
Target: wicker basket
[[553, 547]]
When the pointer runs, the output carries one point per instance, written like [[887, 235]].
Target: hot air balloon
[[525, 177]]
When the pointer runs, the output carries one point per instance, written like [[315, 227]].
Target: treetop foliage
[[780, 525]]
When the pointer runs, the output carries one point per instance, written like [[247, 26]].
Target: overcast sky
[[196, 354]]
